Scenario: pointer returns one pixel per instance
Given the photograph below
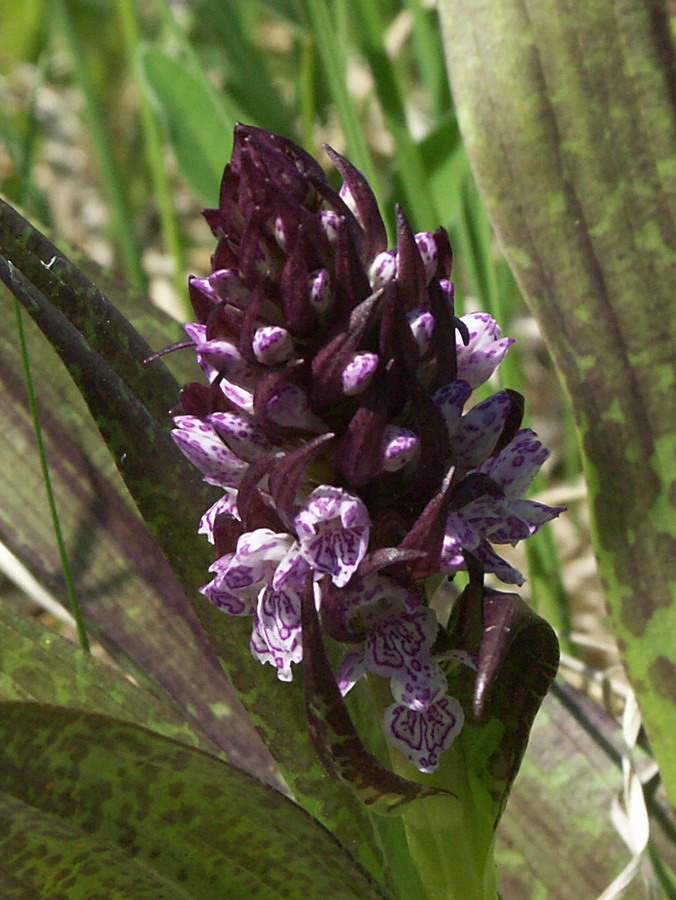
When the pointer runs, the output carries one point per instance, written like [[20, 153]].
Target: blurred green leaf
[[560, 810], [568, 119], [230, 32], [199, 126], [22, 27], [40, 665], [147, 808]]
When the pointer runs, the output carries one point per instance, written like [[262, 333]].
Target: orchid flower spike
[[336, 418]]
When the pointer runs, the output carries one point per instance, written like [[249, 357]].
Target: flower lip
[[333, 530]]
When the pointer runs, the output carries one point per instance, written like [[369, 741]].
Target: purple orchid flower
[[336, 419]]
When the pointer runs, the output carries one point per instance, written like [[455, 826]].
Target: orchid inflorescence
[[336, 424]]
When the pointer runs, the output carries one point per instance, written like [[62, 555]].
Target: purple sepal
[[363, 204]]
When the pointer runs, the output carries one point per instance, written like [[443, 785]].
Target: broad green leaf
[[567, 117], [44, 857], [40, 665], [171, 497], [199, 125], [205, 828], [132, 600]]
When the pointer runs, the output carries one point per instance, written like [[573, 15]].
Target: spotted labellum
[[336, 418]]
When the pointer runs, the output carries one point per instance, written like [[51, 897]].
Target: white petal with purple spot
[[319, 286], [278, 615], [428, 251], [450, 400], [485, 351], [240, 433], [333, 529], [272, 345], [290, 408], [358, 373], [516, 465], [424, 736], [224, 506], [197, 440], [421, 323], [400, 446], [479, 431], [383, 269]]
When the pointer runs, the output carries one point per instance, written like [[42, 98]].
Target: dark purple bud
[[411, 280], [396, 339], [288, 474], [272, 384], [434, 445], [258, 257], [300, 315], [427, 535], [355, 456], [195, 400], [513, 421], [329, 363], [248, 488], [350, 280], [444, 253], [364, 204], [250, 322], [285, 162], [443, 338]]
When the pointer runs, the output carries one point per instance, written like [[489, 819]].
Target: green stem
[[154, 152], [450, 839], [119, 211], [322, 21], [65, 562]]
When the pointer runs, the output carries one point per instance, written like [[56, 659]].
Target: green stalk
[[450, 839], [71, 593], [419, 200], [332, 54], [119, 210], [155, 155], [306, 91], [430, 57]]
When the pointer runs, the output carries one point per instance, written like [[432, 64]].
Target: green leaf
[[43, 857], [199, 124], [171, 497], [142, 802], [559, 808], [39, 665], [574, 103]]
